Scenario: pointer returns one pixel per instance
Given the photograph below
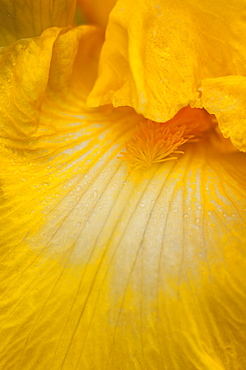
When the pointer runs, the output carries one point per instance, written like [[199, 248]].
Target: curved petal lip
[[140, 65]]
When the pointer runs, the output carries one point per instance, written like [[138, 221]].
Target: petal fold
[[34, 70], [158, 54], [21, 19], [226, 98]]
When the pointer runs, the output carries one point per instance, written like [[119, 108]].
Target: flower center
[[155, 142]]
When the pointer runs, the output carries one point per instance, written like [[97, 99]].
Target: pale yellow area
[[97, 11], [130, 274], [27, 18], [157, 55]]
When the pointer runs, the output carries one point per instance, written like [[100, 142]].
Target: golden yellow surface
[[103, 268], [162, 56], [226, 98]]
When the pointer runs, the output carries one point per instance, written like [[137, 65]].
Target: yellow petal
[[226, 98], [148, 274], [32, 71], [157, 54], [97, 11], [20, 19], [100, 268]]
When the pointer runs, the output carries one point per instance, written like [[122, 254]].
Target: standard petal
[[97, 11], [157, 54], [20, 19]]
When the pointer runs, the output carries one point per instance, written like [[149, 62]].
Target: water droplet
[[142, 205], [78, 188], [197, 220], [209, 213], [233, 215], [199, 207], [95, 194], [186, 215]]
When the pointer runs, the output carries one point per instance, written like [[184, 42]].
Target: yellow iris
[[122, 185]]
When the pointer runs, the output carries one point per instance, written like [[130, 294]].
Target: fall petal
[[102, 267]]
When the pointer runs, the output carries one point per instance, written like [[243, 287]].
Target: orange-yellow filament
[[155, 142]]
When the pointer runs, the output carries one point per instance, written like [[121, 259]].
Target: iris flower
[[123, 185]]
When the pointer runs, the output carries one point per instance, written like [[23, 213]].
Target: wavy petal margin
[[226, 98], [102, 268], [158, 55]]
